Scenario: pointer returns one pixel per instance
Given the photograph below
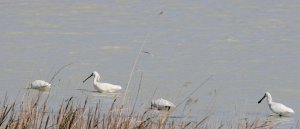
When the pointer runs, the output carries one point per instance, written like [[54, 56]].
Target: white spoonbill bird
[[277, 108], [103, 87], [162, 104], [40, 85]]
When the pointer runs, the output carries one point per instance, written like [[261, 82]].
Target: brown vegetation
[[34, 113]]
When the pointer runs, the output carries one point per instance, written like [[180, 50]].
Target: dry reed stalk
[[133, 68], [34, 114], [58, 71]]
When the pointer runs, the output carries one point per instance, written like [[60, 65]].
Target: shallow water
[[249, 47]]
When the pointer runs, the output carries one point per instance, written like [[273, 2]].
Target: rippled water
[[249, 46]]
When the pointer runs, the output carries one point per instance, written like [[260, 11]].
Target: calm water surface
[[249, 46]]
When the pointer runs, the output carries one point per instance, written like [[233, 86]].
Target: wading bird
[[162, 104], [277, 108], [103, 87], [40, 85]]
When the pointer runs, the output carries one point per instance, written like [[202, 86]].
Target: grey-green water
[[249, 46]]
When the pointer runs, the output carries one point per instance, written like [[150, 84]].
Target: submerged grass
[[34, 113]]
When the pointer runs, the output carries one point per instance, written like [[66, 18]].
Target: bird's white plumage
[[162, 104], [103, 87], [278, 108], [40, 85]]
